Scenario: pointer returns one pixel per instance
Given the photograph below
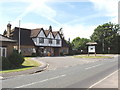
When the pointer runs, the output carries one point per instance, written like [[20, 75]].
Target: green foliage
[[16, 59], [107, 37], [5, 64], [61, 54], [80, 43], [33, 55]]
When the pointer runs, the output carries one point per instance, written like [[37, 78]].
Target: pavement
[[59, 62], [110, 81]]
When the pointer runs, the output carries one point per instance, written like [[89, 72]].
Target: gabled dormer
[[50, 35], [41, 34], [58, 36], [38, 36]]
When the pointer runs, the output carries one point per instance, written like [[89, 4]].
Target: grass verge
[[27, 64], [85, 56]]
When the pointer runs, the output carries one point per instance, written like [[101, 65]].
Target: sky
[[77, 18]]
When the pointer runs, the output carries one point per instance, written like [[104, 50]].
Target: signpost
[[91, 47]]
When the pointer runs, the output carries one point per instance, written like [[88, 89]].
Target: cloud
[[107, 8], [85, 18], [40, 8], [78, 30]]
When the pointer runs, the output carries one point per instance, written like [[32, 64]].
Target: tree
[[107, 38], [80, 44]]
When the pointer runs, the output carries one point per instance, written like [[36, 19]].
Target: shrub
[[5, 64], [34, 55], [61, 54], [16, 59]]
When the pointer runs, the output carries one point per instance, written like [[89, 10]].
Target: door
[[56, 52]]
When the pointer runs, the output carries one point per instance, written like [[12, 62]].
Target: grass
[[27, 64], [85, 56]]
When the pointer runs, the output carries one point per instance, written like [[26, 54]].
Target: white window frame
[[57, 41], [41, 40], [50, 41], [2, 51]]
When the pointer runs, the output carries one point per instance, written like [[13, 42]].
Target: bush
[[5, 64], [61, 54], [16, 59], [34, 55]]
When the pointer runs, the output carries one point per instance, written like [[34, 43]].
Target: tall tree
[[80, 44], [106, 36]]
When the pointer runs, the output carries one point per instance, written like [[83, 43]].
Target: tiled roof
[[24, 36], [5, 39], [55, 33], [46, 32], [64, 43], [35, 32]]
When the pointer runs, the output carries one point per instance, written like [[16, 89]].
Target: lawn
[[86, 56], [27, 64]]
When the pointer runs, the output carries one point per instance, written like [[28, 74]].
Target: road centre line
[[41, 81], [102, 80], [93, 66]]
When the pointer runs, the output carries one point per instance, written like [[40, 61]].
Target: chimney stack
[[8, 29], [50, 28]]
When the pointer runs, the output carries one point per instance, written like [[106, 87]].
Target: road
[[77, 76]]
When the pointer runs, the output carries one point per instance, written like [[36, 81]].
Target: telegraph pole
[[19, 39], [103, 44]]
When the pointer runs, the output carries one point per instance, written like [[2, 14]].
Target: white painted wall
[[57, 36], [46, 40], [41, 34], [50, 35]]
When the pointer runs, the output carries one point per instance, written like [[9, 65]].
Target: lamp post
[[19, 39], [103, 44]]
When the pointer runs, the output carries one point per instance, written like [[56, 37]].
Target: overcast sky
[[76, 17]]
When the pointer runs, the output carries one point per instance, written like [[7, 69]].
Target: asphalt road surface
[[77, 76]]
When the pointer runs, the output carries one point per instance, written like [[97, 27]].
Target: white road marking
[[41, 81], [1, 77], [112, 61], [93, 66], [52, 69], [102, 79]]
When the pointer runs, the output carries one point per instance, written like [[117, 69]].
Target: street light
[[103, 42], [19, 39]]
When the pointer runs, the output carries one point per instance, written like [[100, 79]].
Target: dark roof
[[35, 32], [55, 33], [47, 32], [24, 36], [6, 39], [64, 43]]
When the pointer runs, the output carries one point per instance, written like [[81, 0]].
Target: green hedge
[[13, 61], [16, 59], [5, 63]]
